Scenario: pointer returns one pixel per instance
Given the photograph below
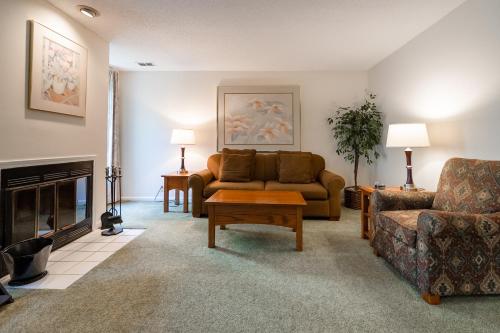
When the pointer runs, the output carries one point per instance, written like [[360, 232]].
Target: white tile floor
[[71, 262]]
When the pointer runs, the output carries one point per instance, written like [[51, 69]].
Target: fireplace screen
[[45, 200]]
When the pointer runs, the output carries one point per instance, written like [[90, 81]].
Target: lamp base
[[182, 171], [409, 188]]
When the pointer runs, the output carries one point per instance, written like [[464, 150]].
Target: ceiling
[[249, 35]]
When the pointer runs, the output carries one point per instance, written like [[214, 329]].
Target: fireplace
[[52, 200]]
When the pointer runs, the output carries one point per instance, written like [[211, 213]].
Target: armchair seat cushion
[[211, 188], [311, 191], [401, 224]]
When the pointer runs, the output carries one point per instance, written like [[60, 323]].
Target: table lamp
[[408, 135], [182, 137]]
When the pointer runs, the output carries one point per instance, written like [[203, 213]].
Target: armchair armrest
[[334, 184], [457, 253], [391, 200], [197, 182]]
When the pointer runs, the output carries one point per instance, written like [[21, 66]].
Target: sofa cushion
[[469, 186], [216, 185], [402, 224], [294, 167], [311, 191], [235, 167], [251, 152]]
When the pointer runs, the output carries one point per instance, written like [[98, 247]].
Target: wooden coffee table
[[281, 208]]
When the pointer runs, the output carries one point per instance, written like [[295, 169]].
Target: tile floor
[[69, 263]]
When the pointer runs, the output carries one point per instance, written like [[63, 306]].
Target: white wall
[[449, 78], [153, 103], [27, 134]]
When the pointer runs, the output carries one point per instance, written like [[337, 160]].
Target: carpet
[[167, 280]]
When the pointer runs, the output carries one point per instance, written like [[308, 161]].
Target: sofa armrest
[[391, 200], [334, 185], [197, 182], [457, 253]]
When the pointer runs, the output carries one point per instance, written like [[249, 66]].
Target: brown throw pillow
[[235, 167], [295, 167], [251, 152]]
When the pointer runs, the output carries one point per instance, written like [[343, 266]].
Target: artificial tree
[[357, 131]]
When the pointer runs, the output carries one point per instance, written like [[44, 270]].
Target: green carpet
[[167, 280]]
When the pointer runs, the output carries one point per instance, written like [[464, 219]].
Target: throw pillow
[[235, 167], [251, 152], [295, 167]]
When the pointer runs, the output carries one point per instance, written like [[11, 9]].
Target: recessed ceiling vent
[[145, 64]]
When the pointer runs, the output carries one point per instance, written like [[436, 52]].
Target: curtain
[[113, 158]]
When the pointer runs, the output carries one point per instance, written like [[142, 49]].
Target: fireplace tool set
[[111, 220]]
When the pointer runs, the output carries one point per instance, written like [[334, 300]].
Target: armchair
[[446, 243]]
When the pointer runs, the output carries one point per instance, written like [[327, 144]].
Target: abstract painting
[[58, 72], [265, 118]]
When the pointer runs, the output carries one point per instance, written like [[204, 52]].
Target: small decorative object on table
[[408, 135], [176, 181], [111, 219], [357, 130], [182, 137]]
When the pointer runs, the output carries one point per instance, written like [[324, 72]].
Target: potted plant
[[357, 131]]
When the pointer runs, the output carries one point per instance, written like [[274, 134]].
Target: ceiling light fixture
[[88, 11]]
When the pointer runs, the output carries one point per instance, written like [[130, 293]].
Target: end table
[[177, 182], [366, 223]]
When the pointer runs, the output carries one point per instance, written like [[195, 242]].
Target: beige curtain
[[113, 121]]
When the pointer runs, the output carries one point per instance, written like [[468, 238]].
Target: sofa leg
[[375, 252], [334, 218], [431, 299]]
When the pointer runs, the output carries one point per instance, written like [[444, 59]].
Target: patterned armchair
[[446, 243]]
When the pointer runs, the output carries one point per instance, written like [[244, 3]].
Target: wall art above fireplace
[[58, 72]]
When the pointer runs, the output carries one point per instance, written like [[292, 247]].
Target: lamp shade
[[407, 135], [182, 137]]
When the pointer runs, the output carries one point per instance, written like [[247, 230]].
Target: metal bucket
[[26, 261]]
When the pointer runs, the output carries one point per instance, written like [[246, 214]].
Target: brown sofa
[[322, 195]]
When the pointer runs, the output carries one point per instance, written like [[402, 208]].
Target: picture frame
[[264, 118], [58, 72]]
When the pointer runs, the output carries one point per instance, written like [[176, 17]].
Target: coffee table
[[281, 208]]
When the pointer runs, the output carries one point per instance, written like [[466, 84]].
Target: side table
[[366, 223], [177, 182]]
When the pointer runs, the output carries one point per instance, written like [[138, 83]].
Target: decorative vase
[[352, 197]]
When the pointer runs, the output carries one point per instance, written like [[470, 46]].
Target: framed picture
[[266, 118], [58, 73]]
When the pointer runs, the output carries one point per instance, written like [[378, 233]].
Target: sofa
[[445, 242], [322, 194]]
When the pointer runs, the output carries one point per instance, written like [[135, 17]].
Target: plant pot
[[26, 261], [352, 198]]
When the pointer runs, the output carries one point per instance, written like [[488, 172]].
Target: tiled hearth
[[71, 262]]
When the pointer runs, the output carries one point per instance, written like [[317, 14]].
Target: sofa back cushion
[[265, 165], [294, 167], [469, 186], [251, 152], [236, 167]]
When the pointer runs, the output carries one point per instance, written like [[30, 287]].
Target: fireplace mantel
[[16, 163]]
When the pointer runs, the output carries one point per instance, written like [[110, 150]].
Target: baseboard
[[160, 198]]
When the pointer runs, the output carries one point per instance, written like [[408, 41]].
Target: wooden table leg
[[165, 195], [364, 214], [186, 201], [211, 227], [298, 232]]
